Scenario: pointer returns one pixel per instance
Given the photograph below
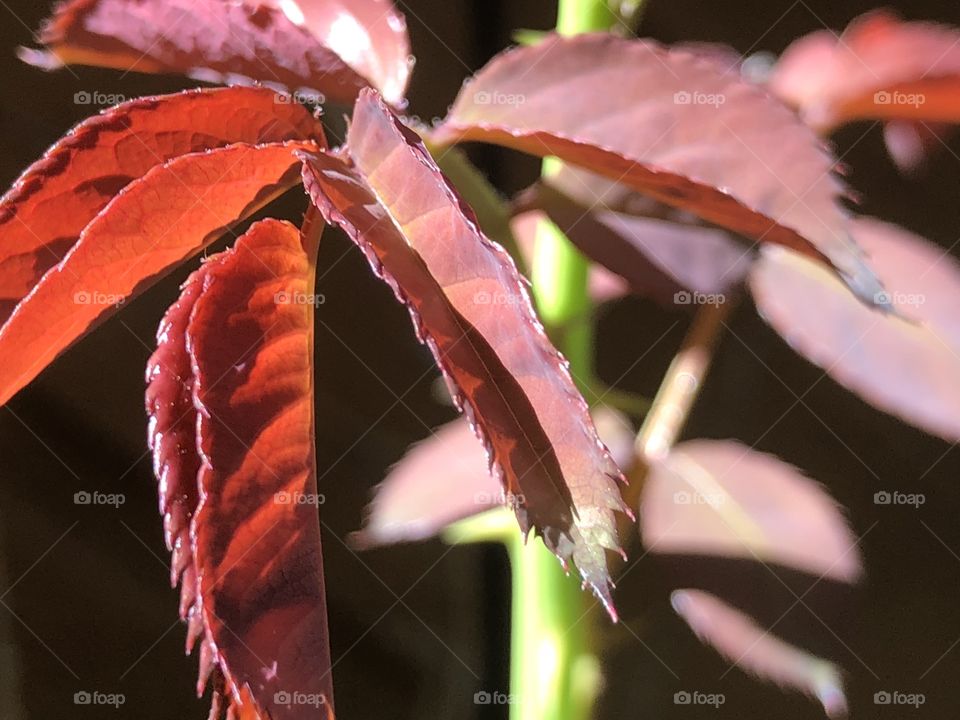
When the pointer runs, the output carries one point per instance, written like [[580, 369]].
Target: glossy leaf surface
[[879, 68], [42, 216], [235, 364], [330, 47], [472, 309], [906, 364], [672, 125], [163, 218]]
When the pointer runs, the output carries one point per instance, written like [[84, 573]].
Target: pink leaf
[[880, 68], [906, 364], [745, 644], [677, 128], [721, 498]]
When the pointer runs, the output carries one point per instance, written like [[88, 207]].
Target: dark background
[[85, 601]]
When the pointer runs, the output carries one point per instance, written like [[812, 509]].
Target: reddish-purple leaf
[[331, 47], [711, 497], [674, 126], [880, 68], [168, 215], [744, 643], [906, 364], [662, 253], [42, 215], [231, 406], [471, 307], [447, 478]]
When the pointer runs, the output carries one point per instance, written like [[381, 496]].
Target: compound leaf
[[230, 399], [471, 307]]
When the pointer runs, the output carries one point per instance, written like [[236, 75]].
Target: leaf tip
[[43, 59]]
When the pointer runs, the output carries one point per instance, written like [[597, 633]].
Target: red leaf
[[325, 46], [446, 478], [42, 215], [906, 364], [740, 640], [676, 128], [470, 306], [169, 214], [662, 253], [881, 67], [234, 365]]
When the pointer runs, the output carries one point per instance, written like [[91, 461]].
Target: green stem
[[554, 674]]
